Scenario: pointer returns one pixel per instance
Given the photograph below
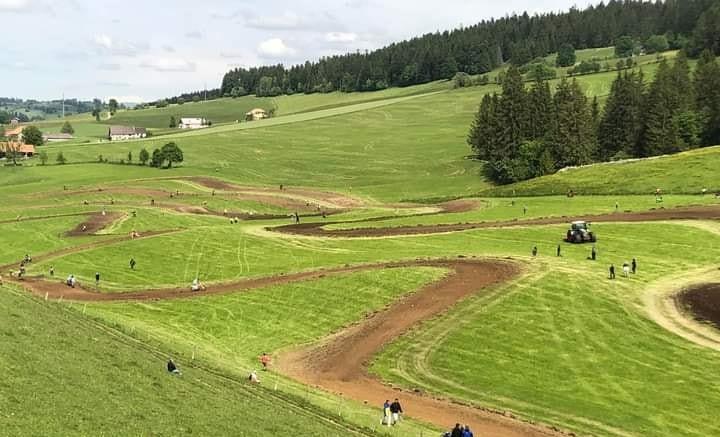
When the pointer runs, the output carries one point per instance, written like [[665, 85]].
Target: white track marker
[[46, 295], [84, 308]]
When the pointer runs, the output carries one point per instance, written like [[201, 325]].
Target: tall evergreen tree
[[670, 122], [484, 128], [707, 91], [571, 138], [539, 109], [621, 123], [512, 119]]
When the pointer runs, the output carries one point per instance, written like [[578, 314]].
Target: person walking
[[457, 431], [132, 263], [265, 360], [626, 269], [534, 251], [172, 367], [633, 265], [558, 250], [524, 209], [97, 279], [593, 253], [386, 413], [52, 271], [612, 271], [395, 410]]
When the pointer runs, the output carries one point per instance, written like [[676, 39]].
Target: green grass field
[[560, 344]]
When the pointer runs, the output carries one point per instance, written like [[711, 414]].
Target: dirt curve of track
[[339, 363]]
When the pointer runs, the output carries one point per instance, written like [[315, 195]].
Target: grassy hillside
[[66, 376], [688, 172], [218, 111]]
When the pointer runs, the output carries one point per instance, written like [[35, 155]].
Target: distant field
[[217, 111]]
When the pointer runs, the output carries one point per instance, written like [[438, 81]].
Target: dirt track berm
[[580, 232]]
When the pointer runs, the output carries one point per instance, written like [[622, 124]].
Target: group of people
[[459, 431], [391, 412], [627, 268]]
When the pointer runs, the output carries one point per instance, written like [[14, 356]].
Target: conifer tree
[[540, 109], [484, 128], [621, 123], [571, 138], [707, 96]]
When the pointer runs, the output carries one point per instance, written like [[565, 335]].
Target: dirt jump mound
[[702, 302]]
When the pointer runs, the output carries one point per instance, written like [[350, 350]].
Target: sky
[[139, 51]]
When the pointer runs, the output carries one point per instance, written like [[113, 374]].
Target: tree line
[[524, 133], [478, 49]]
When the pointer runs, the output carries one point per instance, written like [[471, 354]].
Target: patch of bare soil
[[703, 302], [95, 222]]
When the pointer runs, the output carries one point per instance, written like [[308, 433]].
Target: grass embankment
[[683, 173], [63, 375]]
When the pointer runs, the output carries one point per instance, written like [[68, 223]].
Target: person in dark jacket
[[634, 265], [172, 368], [612, 271], [396, 410], [457, 431], [467, 432]]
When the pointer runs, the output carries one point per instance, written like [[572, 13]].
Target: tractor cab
[[580, 232]]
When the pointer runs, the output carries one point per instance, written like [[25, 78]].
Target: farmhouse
[[15, 133], [24, 150], [56, 137], [192, 123], [119, 133], [256, 114]]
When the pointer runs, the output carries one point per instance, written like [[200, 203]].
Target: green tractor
[[580, 232]]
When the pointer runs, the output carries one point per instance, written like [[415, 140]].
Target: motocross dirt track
[[318, 230], [338, 364]]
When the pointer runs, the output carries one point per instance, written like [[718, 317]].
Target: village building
[[15, 133], [256, 114], [24, 150], [193, 123], [51, 138], [121, 133]]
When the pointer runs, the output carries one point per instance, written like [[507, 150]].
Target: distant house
[[15, 121], [192, 123], [25, 150], [15, 133], [120, 133], [256, 114], [56, 137]]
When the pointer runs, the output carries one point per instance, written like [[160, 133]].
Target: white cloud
[[104, 41], [106, 44], [168, 48], [194, 35], [14, 5], [110, 67], [340, 37], [275, 48], [15, 65], [286, 21], [169, 65]]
